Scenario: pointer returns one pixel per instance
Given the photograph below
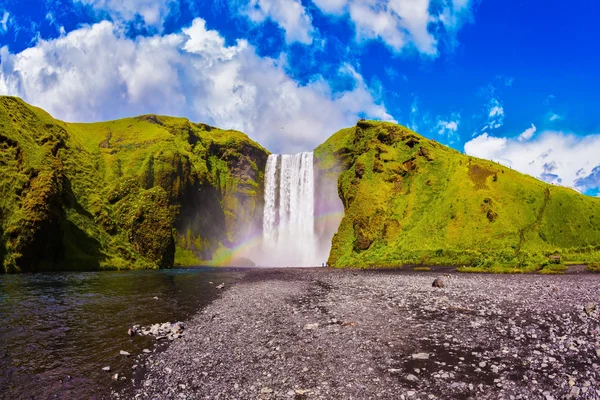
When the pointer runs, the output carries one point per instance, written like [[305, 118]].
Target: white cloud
[[400, 23], [527, 133], [554, 157], [4, 22], [153, 12], [554, 117], [495, 114], [331, 6], [448, 127], [289, 14], [192, 74], [496, 111]]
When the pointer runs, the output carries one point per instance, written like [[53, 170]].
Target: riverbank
[[325, 334]]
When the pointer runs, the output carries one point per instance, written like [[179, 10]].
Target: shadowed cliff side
[[410, 200], [139, 192]]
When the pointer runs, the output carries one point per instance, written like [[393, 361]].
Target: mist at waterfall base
[[302, 212]]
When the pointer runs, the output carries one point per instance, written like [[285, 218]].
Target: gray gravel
[[331, 334]]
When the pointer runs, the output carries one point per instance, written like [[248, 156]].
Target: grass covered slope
[[133, 193], [410, 200]]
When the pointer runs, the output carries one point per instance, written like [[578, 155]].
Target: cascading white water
[[289, 216]]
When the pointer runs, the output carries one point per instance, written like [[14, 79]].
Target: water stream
[[57, 330]]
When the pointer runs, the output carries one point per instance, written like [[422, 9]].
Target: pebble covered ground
[[343, 334]]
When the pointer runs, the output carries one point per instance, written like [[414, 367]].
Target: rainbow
[[225, 256]]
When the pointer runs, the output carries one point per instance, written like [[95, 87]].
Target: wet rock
[[164, 330], [177, 328], [438, 283]]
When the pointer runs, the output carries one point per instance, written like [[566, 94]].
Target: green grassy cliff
[[143, 192], [410, 200]]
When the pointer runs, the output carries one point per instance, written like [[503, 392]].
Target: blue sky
[[512, 81]]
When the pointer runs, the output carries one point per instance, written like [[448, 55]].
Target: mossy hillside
[[120, 194], [409, 200], [215, 176]]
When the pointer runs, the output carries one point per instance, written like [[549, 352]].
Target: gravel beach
[[344, 334]]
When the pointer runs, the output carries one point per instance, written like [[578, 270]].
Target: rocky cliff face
[[142, 192], [410, 200]]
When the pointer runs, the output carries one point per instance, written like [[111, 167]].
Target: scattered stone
[[221, 286], [177, 328], [438, 283], [164, 330], [106, 369], [264, 318], [590, 308], [420, 356], [115, 377], [124, 353], [146, 351]]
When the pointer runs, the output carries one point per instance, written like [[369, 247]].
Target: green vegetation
[[593, 267], [155, 191], [134, 193], [553, 269], [410, 200]]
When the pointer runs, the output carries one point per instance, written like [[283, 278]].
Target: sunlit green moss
[[120, 194], [410, 200]]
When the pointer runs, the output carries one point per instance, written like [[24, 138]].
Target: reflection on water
[[57, 330]]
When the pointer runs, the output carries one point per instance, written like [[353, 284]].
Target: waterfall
[[289, 214]]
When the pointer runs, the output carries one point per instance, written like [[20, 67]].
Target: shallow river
[[57, 330]]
